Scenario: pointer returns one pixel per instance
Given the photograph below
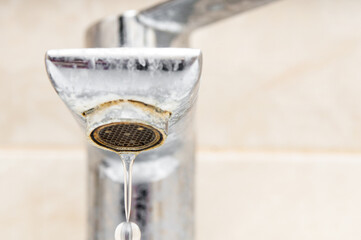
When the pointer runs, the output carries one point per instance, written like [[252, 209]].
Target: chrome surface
[[167, 24], [145, 86], [163, 178]]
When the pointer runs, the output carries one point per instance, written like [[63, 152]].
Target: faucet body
[[163, 181], [163, 178], [151, 88]]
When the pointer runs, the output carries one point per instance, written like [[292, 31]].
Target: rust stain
[[151, 108], [144, 106]]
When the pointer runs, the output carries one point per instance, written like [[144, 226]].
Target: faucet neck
[[132, 29]]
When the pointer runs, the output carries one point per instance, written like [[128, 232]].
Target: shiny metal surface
[[167, 24], [163, 178], [150, 86]]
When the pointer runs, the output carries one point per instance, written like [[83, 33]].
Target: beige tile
[[278, 196], [283, 77], [42, 195]]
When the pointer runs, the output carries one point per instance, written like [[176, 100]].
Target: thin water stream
[[127, 230]]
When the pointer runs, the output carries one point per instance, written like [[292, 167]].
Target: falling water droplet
[[127, 231], [127, 159]]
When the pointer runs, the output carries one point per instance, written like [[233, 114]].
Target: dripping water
[[127, 230]]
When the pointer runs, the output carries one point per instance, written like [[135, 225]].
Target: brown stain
[[153, 110], [102, 106], [150, 108], [144, 106]]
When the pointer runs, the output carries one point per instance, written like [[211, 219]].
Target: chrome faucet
[[129, 77]]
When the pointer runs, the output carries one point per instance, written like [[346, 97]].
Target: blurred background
[[278, 119]]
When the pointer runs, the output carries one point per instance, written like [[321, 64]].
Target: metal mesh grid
[[126, 137]]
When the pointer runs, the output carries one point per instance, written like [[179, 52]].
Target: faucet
[[136, 76]]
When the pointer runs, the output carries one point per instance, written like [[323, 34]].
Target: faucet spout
[[150, 94]]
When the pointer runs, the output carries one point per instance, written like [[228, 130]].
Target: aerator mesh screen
[[126, 137]]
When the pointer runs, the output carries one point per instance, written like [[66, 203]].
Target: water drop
[[127, 159], [127, 231]]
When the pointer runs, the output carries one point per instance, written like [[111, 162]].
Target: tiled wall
[[282, 77]]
